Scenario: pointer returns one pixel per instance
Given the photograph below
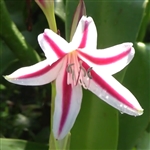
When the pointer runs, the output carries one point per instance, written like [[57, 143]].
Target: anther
[[69, 68], [89, 73]]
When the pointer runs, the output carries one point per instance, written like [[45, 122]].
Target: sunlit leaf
[[138, 80], [14, 144], [60, 9]]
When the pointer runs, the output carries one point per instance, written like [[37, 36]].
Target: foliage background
[[25, 111]]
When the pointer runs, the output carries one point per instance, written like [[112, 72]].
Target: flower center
[[77, 74]]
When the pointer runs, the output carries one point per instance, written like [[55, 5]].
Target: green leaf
[[60, 9], [137, 79], [14, 39], [14, 144], [97, 124], [6, 56], [144, 141]]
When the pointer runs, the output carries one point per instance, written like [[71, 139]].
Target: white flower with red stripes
[[79, 64]]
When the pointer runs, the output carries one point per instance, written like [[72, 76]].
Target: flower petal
[[86, 34], [38, 74], [54, 46], [67, 105], [110, 60], [112, 92]]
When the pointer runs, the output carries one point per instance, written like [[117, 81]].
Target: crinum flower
[[79, 64]]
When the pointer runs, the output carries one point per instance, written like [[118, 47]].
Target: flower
[[77, 64]]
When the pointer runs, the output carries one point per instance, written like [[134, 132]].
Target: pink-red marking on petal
[[84, 36], [54, 46], [40, 72], [66, 100], [103, 84], [105, 61]]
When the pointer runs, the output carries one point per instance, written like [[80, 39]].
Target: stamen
[[82, 68], [69, 68], [89, 73], [73, 75], [78, 76]]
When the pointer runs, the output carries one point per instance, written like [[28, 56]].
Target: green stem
[[52, 141], [51, 20], [14, 39]]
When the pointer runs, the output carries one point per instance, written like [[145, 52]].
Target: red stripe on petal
[[39, 72], [66, 100], [103, 84], [84, 36], [110, 89], [54, 46], [105, 61]]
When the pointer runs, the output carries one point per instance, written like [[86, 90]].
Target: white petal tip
[[11, 79], [85, 18], [7, 77], [128, 44], [140, 112], [132, 112], [47, 30]]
